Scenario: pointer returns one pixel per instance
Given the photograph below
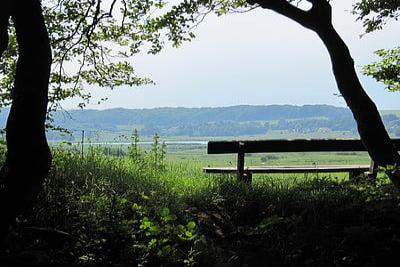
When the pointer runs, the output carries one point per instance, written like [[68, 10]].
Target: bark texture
[[28, 158], [369, 123]]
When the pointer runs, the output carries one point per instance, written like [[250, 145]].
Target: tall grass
[[142, 211]]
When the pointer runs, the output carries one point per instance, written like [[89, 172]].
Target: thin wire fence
[[116, 144]]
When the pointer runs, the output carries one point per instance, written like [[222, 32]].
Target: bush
[[115, 211]]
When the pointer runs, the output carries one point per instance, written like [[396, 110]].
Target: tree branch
[[320, 14], [286, 9]]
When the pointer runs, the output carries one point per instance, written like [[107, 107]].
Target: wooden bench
[[278, 146]]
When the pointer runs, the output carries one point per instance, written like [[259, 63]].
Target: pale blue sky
[[257, 58]]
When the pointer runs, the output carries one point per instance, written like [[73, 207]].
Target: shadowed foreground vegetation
[[141, 211]]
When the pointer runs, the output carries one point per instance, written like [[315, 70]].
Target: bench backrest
[[300, 145]]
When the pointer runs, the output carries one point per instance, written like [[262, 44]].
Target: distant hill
[[222, 121]]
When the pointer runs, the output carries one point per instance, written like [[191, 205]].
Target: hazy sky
[[257, 58]]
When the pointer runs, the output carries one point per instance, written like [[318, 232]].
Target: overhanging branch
[[317, 17]]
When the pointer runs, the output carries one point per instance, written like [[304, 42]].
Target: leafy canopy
[[387, 70], [376, 13]]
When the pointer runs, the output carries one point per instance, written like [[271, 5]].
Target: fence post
[[82, 143], [240, 162]]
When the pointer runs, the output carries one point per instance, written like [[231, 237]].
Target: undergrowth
[[141, 211]]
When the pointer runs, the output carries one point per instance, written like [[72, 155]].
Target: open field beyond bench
[[278, 146]]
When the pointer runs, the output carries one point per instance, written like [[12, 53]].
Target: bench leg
[[373, 171], [240, 163]]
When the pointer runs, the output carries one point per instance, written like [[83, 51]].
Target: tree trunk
[[28, 157], [369, 123]]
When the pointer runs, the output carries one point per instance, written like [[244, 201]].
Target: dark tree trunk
[[28, 158], [370, 126], [369, 123]]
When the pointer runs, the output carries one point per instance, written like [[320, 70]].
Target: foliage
[[154, 159], [94, 42], [387, 70], [376, 13], [116, 210], [157, 153], [3, 148], [122, 212], [161, 234], [133, 150]]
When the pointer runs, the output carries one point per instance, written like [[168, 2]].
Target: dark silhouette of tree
[[28, 157], [370, 126]]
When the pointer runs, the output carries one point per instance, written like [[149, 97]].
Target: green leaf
[[191, 225], [165, 212]]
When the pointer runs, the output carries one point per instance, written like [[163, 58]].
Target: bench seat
[[292, 169], [281, 146]]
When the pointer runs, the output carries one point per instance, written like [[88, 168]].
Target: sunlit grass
[[129, 211]]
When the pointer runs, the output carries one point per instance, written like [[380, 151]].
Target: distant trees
[[223, 121]]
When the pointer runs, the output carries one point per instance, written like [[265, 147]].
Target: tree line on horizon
[[201, 122]]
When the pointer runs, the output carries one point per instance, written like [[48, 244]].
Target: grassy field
[[94, 136], [151, 209], [195, 157], [195, 150]]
